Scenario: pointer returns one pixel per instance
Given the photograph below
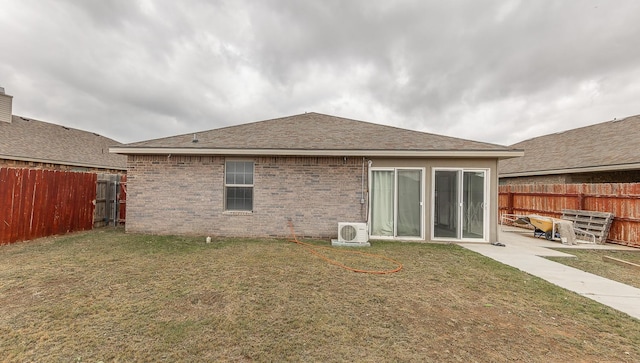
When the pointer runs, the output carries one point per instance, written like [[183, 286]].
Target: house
[[25, 142], [315, 170], [603, 153]]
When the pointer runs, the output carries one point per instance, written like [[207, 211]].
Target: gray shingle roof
[[314, 131], [27, 139], [611, 145]]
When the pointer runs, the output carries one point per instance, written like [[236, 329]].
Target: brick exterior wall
[[50, 166], [185, 195], [622, 176], [539, 179]]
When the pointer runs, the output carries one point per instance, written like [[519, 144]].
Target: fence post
[[510, 201], [116, 205], [581, 199]]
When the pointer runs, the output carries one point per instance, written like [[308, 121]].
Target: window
[[238, 183]]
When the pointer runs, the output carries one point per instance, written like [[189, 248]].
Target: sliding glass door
[[459, 204], [396, 209]]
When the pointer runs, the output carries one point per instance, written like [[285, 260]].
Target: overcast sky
[[495, 71]]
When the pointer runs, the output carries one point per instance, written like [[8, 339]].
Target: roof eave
[[501, 154], [590, 169]]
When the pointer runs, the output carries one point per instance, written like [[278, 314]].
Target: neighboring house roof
[[607, 146], [316, 134], [31, 140]]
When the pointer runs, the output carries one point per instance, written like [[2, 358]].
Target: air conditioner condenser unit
[[352, 234]]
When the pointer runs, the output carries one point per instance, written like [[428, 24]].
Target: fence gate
[[110, 200]]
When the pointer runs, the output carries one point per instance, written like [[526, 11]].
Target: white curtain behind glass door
[[382, 187]]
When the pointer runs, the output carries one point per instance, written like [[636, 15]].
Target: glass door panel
[[445, 214], [473, 204], [382, 202], [409, 220]]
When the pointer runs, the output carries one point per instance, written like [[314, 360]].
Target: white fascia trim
[[307, 152], [590, 169]]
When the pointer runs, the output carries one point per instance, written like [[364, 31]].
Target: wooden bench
[[590, 223]]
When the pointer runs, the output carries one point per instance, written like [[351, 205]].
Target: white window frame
[[252, 185]]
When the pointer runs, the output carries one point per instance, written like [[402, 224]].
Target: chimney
[[5, 106]]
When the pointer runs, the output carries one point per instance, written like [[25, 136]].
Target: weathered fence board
[[123, 199], [623, 200], [111, 194], [36, 203]]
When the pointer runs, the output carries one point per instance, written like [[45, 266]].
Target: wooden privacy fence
[[623, 200], [37, 203]]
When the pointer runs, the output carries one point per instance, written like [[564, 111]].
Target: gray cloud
[[488, 71]]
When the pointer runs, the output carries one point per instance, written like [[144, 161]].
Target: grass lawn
[[110, 296], [592, 261]]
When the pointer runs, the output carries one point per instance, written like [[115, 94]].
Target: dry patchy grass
[[110, 296], [592, 261]]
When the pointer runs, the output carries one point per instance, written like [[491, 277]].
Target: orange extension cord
[[313, 249]]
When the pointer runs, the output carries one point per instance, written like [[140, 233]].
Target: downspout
[[362, 200], [368, 201], [362, 184]]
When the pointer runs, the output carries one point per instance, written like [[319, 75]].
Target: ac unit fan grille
[[348, 233], [351, 234]]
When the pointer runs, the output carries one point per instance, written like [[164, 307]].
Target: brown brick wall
[[622, 176], [50, 166], [539, 179], [185, 195]]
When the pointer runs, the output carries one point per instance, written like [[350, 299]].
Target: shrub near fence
[[623, 200], [37, 203]]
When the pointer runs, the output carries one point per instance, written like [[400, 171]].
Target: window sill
[[237, 213]]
